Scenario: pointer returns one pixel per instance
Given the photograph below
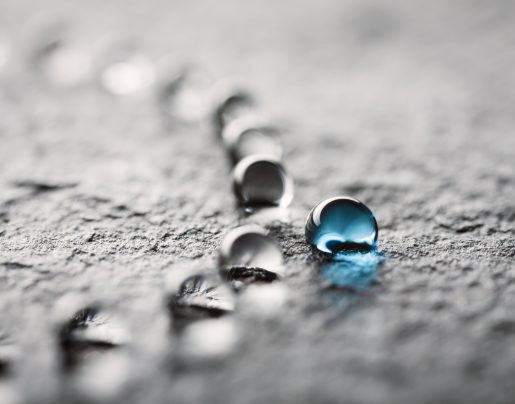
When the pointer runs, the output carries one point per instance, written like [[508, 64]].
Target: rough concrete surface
[[407, 105]]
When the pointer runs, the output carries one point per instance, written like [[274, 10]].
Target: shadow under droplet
[[352, 270]]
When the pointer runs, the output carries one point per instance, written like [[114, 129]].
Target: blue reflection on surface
[[354, 270]]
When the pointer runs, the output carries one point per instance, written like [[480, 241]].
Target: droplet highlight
[[341, 224], [260, 181]]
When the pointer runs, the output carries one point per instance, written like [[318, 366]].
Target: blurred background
[[112, 180]]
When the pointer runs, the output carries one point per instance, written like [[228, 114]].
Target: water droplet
[[88, 333], [125, 69], [63, 62], [199, 297], [249, 255], [251, 134], [229, 101], [261, 180], [354, 270], [341, 224], [209, 339], [184, 96]]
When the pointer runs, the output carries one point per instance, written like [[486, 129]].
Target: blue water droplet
[[341, 224], [354, 270]]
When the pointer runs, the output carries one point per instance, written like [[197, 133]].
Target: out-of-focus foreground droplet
[[248, 255], [260, 181], [341, 224]]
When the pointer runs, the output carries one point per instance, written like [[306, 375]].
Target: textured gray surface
[[406, 105]]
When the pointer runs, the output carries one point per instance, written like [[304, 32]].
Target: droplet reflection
[[355, 270]]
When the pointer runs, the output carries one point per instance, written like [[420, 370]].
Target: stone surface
[[408, 106]]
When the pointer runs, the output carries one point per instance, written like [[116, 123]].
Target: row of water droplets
[[200, 303]]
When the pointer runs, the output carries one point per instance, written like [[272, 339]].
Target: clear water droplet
[[184, 96], [199, 297], [88, 333], [229, 102], [341, 224], [251, 134], [248, 255], [209, 339], [261, 180], [125, 69], [354, 270]]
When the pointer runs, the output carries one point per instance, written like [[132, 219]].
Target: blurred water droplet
[[63, 62], [251, 134], [248, 255], [260, 181], [341, 224], [199, 297], [229, 102], [4, 52], [125, 69], [88, 333], [354, 270], [209, 339], [264, 301], [184, 97]]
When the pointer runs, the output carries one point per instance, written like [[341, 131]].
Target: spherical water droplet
[[184, 96], [229, 101], [199, 297], [248, 255], [251, 134], [341, 224], [261, 180]]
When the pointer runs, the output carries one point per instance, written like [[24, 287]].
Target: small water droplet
[[199, 297], [341, 224], [209, 340], [251, 134], [261, 180], [90, 332], [248, 255], [230, 102], [355, 270], [126, 69], [184, 96]]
